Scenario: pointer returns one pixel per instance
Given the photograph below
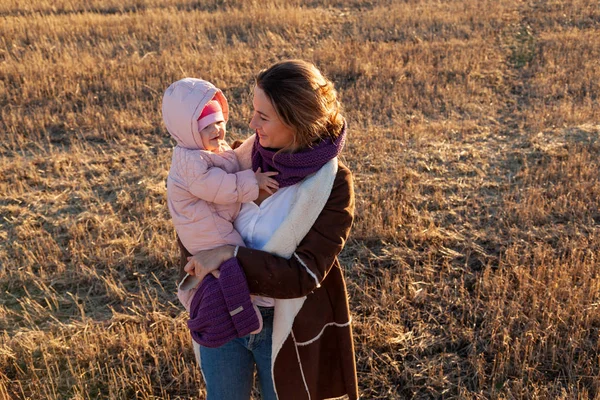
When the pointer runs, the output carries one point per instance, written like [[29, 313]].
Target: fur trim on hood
[[182, 104]]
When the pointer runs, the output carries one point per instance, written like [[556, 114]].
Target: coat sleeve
[[277, 277], [243, 152], [215, 185]]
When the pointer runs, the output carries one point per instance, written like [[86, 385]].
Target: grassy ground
[[473, 268]]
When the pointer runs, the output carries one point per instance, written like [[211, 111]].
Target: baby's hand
[[265, 182]]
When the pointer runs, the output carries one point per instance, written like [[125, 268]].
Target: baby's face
[[212, 134]]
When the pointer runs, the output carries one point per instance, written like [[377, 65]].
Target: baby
[[205, 187]]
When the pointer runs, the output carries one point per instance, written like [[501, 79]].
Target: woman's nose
[[253, 122]]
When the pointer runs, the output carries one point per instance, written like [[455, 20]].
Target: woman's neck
[[262, 196]]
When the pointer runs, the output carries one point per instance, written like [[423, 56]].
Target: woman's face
[[271, 132]]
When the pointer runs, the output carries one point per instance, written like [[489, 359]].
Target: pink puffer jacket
[[204, 189]]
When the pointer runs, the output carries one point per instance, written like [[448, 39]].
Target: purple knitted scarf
[[293, 167]]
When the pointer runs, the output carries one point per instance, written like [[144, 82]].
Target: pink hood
[[182, 104]]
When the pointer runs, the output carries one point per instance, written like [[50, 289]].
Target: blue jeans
[[229, 370]]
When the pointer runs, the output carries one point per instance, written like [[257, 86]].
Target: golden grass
[[473, 267]]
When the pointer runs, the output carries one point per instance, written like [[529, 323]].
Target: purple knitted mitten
[[221, 309]]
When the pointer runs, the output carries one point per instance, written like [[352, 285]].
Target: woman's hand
[[207, 261]]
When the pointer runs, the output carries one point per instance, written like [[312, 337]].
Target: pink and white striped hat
[[212, 112]]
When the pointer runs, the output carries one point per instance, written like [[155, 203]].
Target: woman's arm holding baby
[[273, 276], [278, 277]]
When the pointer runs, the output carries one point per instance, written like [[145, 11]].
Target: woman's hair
[[304, 100]]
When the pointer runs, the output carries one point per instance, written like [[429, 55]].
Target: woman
[[305, 350]]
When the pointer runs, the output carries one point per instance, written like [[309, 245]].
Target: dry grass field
[[474, 263]]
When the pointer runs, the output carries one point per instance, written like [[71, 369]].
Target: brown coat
[[316, 360]]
